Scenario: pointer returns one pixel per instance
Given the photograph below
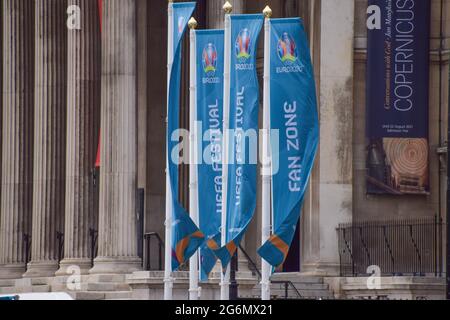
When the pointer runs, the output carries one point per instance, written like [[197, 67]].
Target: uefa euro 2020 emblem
[[209, 59], [243, 42], [287, 50]]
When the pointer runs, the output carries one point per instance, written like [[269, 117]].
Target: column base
[[69, 266], [41, 269], [116, 265], [12, 271], [321, 269]]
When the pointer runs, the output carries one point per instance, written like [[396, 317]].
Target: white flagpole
[[168, 280], [267, 161], [225, 278], [194, 290]]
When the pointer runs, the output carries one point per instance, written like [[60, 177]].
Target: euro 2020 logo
[[209, 59], [287, 50], [243, 42]]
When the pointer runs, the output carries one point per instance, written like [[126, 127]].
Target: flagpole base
[[225, 285], [225, 291], [195, 294], [168, 288], [265, 291]]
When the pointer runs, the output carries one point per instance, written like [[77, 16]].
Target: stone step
[[394, 295], [7, 283], [301, 286], [62, 287], [309, 287], [100, 278], [403, 286], [397, 280], [101, 295], [31, 289], [296, 278], [308, 292], [87, 295], [63, 279], [8, 290], [41, 288], [303, 293], [118, 295], [40, 281], [108, 286], [281, 297]]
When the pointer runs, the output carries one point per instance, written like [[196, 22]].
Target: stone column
[[1, 104], [143, 103], [83, 111], [143, 72], [336, 149], [310, 228], [117, 242], [49, 136], [17, 96]]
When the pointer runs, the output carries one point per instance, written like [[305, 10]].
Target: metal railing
[[60, 245], [27, 249], [286, 283], [147, 249], [251, 263], [93, 236], [396, 247]]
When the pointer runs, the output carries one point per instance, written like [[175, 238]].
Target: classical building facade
[[63, 88]]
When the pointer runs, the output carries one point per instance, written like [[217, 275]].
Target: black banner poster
[[397, 96]]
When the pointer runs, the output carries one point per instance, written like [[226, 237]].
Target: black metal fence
[[392, 248], [60, 245], [153, 251], [93, 237], [27, 249]]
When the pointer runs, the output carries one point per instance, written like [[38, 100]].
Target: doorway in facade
[[292, 263]]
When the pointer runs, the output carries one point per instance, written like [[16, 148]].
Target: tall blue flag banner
[[243, 114], [186, 237], [293, 112], [397, 96], [209, 76]]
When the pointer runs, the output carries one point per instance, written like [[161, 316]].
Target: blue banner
[[243, 112], [397, 96], [186, 237], [209, 76], [293, 112]]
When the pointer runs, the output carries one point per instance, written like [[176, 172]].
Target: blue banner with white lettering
[[293, 112], [186, 237], [209, 60], [243, 112], [397, 95]]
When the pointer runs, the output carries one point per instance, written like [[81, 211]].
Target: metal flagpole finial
[[192, 23], [227, 7], [267, 12]]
